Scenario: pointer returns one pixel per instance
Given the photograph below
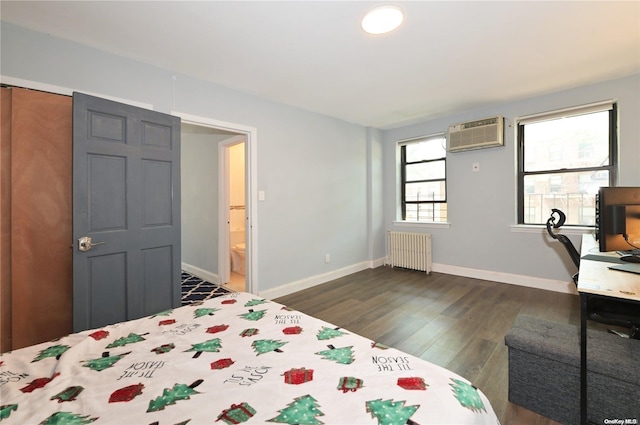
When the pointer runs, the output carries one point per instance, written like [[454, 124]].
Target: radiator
[[409, 250]]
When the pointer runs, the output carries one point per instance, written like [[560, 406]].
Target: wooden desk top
[[595, 277]]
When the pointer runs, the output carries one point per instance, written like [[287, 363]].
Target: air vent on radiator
[[478, 134]]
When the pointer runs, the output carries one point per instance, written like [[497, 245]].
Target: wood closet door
[[41, 255], [5, 220]]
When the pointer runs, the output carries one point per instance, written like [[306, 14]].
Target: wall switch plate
[[261, 195], [327, 258], [475, 167]]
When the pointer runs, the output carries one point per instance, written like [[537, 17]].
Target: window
[[563, 158], [423, 179]]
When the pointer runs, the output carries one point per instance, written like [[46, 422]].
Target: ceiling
[[446, 57]]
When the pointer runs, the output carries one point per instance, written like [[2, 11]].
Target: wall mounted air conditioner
[[486, 133]]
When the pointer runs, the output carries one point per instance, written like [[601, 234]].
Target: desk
[[595, 279]]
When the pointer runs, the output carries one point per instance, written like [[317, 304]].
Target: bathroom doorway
[[233, 202], [218, 177]]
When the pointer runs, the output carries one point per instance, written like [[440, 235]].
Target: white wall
[[199, 186], [312, 168], [482, 205]]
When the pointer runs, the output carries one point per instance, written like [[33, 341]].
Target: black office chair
[[604, 310]]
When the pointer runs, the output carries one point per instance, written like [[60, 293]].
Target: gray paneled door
[[126, 212]]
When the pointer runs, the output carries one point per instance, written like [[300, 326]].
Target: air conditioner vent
[[484, 133]]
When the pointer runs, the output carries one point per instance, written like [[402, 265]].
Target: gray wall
[[482, 205], [199, 182], [312, 168], [330, 185]]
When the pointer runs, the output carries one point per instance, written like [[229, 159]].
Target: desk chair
[[607, 311]]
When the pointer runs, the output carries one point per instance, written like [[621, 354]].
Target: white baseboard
[[312, 281], [377, 263], [201, 273], [566, 287]]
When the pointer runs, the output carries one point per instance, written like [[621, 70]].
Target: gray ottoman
[[544, 372]]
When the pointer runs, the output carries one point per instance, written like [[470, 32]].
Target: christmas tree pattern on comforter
[[263, 364]]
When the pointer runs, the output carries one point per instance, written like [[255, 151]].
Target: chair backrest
[[566, 242]]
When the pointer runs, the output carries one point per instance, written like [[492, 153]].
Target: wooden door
[[39, 267], [126, 199]]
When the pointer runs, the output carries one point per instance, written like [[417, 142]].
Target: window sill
[[540, 228], [422, 224]]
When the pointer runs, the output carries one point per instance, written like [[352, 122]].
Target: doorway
[[217, 231], [233, 201]]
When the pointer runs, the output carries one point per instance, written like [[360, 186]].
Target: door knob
[[85, 244]]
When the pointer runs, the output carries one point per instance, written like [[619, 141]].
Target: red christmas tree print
[[98, 335], [221, 364], [217, 328], [38, 383], [126, 393], [412, 383]]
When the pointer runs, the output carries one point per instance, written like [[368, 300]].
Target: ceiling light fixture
[[382, 19]]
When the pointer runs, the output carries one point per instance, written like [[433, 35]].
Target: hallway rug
[[195, 289]]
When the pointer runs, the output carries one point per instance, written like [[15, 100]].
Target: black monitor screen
[[617, 218]]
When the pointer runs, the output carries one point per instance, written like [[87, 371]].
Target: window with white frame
[[563, 158], [423, 175]]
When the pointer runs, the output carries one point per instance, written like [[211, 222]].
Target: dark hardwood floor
[[455, 322]]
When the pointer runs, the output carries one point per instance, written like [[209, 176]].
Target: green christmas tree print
[[210, 346], [122, 341], [303, 410], [253, 315], [467, 395], [389, 412], [342, 355], [104, 362], [204, 312], [262, 346], [67, 418], [254, 301], [6, 410], [69, 394], [53, 351], [172, 395], [328, 333]]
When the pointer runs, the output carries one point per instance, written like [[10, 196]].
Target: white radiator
[[409, 250]]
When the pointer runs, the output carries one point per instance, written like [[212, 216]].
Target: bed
[[233, 359]]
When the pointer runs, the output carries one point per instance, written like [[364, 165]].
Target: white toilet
[[238, 245]]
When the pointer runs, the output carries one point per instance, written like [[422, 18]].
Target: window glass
[[426, 171], [575, 142], [426, 191], [423, 173], [562, 163]]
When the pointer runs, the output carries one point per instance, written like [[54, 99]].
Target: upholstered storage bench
[[544, 372]]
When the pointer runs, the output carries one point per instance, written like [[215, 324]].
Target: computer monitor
[[617, 218]]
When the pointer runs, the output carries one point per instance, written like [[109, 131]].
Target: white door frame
[[224, 206], [250, 140]]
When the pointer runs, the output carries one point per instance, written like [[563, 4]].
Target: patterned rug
[[195, 289]]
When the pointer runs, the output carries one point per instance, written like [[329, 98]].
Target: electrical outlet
[[327, 258]]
